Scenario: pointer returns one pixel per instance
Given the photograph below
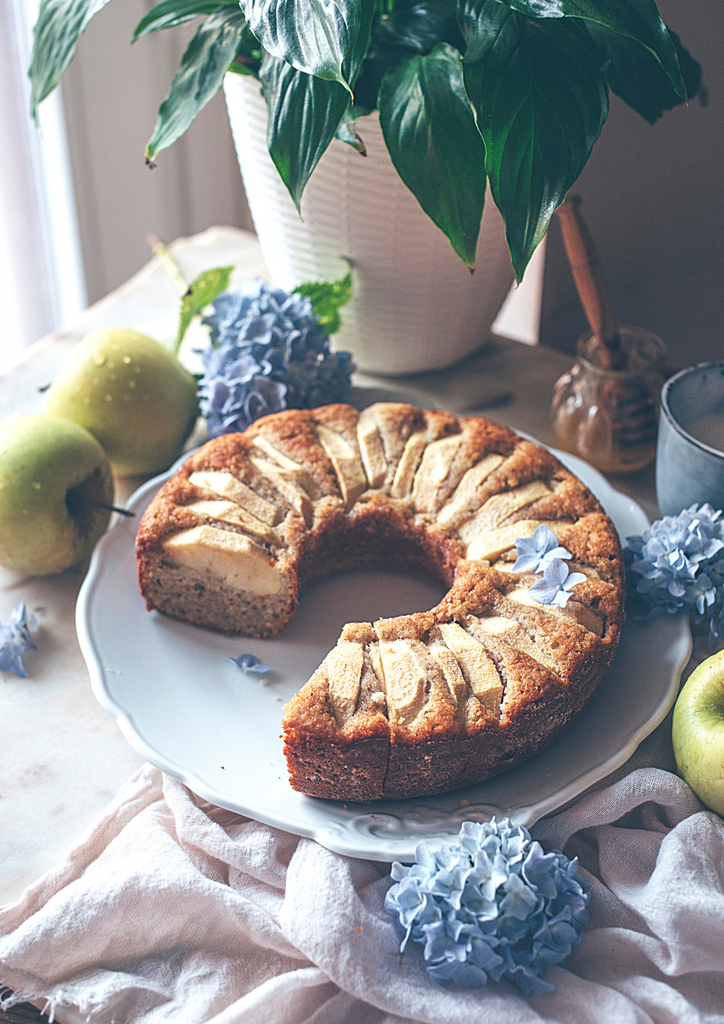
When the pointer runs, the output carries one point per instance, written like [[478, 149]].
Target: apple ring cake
[[426, 702]]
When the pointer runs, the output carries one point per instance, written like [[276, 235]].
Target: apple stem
[[109, 508]]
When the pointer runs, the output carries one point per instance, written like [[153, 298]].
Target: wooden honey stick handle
[[591, 283]]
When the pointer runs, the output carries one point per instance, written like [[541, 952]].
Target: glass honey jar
[[609, 417]]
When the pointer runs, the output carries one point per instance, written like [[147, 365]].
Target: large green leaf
[[317, 37], [636, 76], [59, 26], [203, 66], [170, 13], [539, 91], [304, 113], [636, 19], [433, 141], [419, 27]]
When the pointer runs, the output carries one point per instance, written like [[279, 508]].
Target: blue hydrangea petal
[[488, 874], [527, 562], [539, 870], [16, 640], [249, 663], [440, 944], [477, 903], [574, 579], [558, 552], [535, 552], [483, 955], [449, 885], [513, 843], [465, 975], [11, 661], [519, 900], [529, 982], [543, 591], [556, 572], [399, 871]]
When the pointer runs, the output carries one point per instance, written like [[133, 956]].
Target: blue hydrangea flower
[[493, 905], [536, 552], [556, 584], [249, 663], [678, 565], [268, 352], [15, 640]]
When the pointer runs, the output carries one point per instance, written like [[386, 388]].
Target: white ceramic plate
[[198, 718]]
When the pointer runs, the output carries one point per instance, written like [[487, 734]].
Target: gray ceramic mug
[[690, 470]]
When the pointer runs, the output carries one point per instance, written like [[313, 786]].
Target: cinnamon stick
[[591, 283]]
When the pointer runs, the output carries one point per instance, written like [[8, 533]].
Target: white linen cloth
[[172, 910]]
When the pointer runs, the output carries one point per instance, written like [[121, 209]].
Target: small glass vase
[[609, 417]]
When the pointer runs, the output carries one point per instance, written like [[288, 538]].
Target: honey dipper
[[631, 409]]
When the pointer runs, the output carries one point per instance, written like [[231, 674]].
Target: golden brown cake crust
[[426, 702]]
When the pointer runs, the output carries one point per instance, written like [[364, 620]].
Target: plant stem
[[164, 257]]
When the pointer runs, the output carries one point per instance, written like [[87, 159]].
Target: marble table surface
[[63, 758]]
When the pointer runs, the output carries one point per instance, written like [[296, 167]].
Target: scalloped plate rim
[[368, 830]]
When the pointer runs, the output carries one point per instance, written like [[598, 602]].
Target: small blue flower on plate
[[249, 663], [556, 584], [538, 551]]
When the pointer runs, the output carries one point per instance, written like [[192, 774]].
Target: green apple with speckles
[[54, 481], [132, 394], [698, 732]]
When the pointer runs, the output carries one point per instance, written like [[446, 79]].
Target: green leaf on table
[[317, 37], [203, 66], [637, 19], [60, 25], [170, 13], [327, 298], [202, 292], [636, 76], [304, 113], [430, 132], [538, 88]]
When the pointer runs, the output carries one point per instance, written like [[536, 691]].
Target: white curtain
[[42, 283]]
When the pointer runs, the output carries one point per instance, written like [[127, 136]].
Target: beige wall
[[654, 201], [111, 94]]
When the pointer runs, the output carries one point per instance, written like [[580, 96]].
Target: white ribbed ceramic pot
[[416, 306]]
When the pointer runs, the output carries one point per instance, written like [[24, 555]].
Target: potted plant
[[470, 94]]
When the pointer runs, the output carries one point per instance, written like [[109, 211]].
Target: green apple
[[698, 732], [53, 475], [132, 394]]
